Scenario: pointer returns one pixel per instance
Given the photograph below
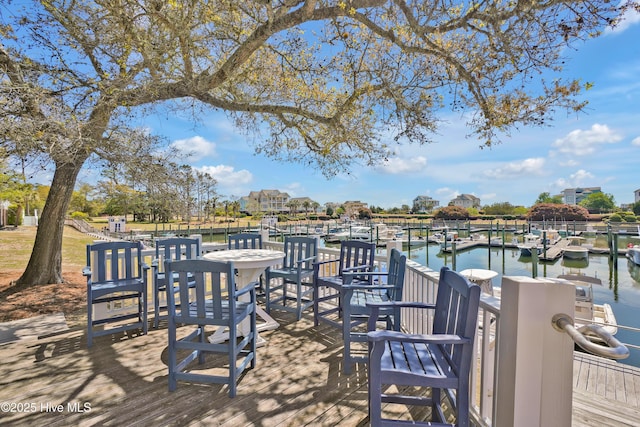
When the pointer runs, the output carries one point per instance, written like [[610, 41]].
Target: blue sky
[[597, 148]]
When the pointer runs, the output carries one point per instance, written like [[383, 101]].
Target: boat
[[356, 232], [531, 243], [575, 250], [586, 311], [633, 251]]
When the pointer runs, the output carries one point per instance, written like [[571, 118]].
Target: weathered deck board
[[298, 381]]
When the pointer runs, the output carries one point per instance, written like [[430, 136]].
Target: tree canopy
[[552, 211], [323, 82], [546, 197], [452, 212], [598, 202]]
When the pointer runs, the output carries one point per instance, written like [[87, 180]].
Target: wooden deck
[[298, 381]]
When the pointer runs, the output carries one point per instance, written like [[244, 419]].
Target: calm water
[[621, 286]]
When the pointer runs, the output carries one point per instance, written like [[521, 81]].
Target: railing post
[[535, 361]]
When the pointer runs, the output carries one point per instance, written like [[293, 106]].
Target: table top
[[479, 274], [247, 258]]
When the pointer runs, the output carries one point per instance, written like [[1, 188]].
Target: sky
[[597, 148]]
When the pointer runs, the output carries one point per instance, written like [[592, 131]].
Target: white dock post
[[535, 361]]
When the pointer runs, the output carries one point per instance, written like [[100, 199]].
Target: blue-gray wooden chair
[[224, 308], [290, 287], [328, 277], [245, 241], [387, 286], [173, 248], [116, 275], [440, 361]]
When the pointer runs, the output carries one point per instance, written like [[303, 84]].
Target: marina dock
[[550, 253]]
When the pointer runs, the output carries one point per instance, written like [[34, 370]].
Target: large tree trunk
[[45, 264]]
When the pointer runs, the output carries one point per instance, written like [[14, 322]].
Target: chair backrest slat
[[176, 248], [356, 253], [245, 241], [299, 248], [456, 312], [197, 277], [112, 261], [396, 268]]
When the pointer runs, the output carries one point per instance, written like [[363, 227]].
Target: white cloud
[[195, 147], [398, 165], [636, 141], [570, 163], [446, 194], [294, 189], [488, 196], [230, 181], [527, 167], [631, 17], [578, 179], [583, 142]]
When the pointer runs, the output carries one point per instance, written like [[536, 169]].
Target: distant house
[[302, 204], [573, 196], [273, 201], [424, 204], [636, 196], [466, 201], [352, 208], [265, 201]]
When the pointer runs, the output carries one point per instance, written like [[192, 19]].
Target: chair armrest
[[401, 304], [86, 271], [145, 266], [385, 335], [155, 263], [364, 268], [376, 306], [303, 260], [319, 263], [348, 276], [356, 286], [247, 289]]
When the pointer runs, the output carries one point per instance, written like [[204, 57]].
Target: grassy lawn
[[16, 245], [69, 297]]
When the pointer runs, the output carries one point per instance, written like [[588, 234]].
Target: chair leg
[[144, 308], [172, 355], [436, 400], [346, 338], [156, 306], [462, 407], [232, 361], [374, 389], [316, 294], [89, 319]]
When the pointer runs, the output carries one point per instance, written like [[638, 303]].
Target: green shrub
[[615, 218], [630, 218], [80, 215]]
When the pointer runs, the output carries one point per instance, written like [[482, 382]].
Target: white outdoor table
[[481, 277], [250, 264]]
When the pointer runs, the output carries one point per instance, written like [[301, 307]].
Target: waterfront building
[[265, 201], [573, 196], [424, 204], [352, 208], [466, 201]]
